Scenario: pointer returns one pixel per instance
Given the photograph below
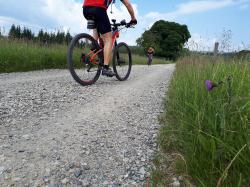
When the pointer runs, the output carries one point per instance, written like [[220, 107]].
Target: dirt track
[[55, 132]]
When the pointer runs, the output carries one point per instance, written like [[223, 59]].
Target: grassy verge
[[21, 56], [207, 132], [26, 56], [142, 60]]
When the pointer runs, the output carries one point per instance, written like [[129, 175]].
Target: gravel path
[[54, 132]]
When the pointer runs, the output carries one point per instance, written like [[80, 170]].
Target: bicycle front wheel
[[83, 59], [122, 61]]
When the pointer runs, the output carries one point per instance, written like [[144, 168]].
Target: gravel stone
[[86, 166], [56, 184], [2, 169], [46, 179], [26, 137], [142, 171], [17, 179], [85, 183], [54, 132], [2, 158], [65, 181], [78, 173]]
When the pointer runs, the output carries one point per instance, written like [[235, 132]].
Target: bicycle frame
[[90, 52], [92, 55]]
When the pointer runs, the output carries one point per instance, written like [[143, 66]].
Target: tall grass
[[210, 130], [26, 56]]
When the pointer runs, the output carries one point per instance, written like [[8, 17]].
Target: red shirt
[[97, 3]]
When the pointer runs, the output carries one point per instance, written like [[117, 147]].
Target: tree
[[53, 38], [24, 33], [18, 32], [12, 32], [60, 37], [27, 33], [40, 36], [46, 38], [167, 38], [68, 38]]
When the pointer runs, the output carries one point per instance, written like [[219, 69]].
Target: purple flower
[[209, 85]]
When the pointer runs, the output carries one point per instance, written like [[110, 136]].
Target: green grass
[[21, 56], [142, 60], [16, 56], [209, 130]]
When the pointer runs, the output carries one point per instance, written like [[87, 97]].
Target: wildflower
[[209, 85]]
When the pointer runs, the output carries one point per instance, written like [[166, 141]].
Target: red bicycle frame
[[92, 54]]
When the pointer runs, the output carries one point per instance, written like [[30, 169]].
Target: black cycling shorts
[[100, 17]]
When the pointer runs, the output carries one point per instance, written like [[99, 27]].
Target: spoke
[[85, 70]]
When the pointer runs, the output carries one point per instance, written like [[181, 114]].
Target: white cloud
[[49, 14], [6, 22], [197, 42], [67, 14], [202, 6], [120, 13], [193, 7], [56, 14], [201, 43]]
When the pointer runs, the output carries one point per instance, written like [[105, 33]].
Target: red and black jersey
[[97, 3]]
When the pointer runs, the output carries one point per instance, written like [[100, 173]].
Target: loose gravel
[[54, 132]]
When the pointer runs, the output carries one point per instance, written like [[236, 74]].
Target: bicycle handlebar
[[122, 23]]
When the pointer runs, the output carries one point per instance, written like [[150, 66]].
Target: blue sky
[[206, 19]]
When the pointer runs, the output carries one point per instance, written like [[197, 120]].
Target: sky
[[207, 20]]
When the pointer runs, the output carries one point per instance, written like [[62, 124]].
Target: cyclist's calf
[[107, 39]]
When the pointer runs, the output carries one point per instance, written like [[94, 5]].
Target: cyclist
[[97, 9], [150, 54]]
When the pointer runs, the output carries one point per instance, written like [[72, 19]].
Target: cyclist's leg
[[107, 39], [95, 34], [148, 59], [90, 13], [104, 28]]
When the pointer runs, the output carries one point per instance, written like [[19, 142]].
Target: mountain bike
[[85, 56]]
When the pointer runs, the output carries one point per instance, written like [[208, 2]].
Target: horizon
[[221, 16]]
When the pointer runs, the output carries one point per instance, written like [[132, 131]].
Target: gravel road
[[54, 132]]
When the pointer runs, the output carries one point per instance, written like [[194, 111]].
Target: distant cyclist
[[150, 53], [97, 9]]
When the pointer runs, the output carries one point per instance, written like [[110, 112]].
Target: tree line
[[59, 37], [167, 38]]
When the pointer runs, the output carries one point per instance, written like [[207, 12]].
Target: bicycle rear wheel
[[83, 59], [122, 61]]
